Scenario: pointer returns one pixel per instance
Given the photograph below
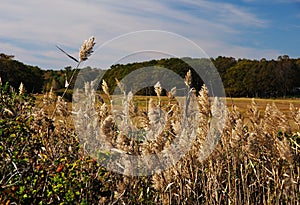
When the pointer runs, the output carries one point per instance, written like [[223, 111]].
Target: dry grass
[[241, 103], [255, 160], [253, 163], [282, 104]]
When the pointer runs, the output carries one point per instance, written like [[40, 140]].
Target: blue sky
[[252, 29]]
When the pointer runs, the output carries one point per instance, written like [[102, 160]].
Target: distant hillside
[[179, 66], [15, 72], [241, 77], [259, 78]]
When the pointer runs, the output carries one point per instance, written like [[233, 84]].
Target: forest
[[241, 77]]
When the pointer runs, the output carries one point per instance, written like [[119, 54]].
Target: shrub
[[41, 162]]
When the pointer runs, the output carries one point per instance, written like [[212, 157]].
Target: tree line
[[15, 72], [259, 78], [241, 77]]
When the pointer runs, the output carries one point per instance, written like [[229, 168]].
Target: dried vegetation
[[44, 160]]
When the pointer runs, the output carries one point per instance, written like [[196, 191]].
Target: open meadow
[[283, 104]]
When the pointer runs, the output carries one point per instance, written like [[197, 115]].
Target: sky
[[253, 29]]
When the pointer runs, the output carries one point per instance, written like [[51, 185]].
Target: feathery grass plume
[[275, 120], [238, 136], [158, 89], [49, 98], [235, 115], [133, 109], [94, 85], [188, 78], [203, 102], [128, 108], [151, 106], [120, 85], [204, 107], [122, 142], [46, 101], [125, 124], [52, 95], [86, 49], [217, 121], [176, 126], [66, 83], [156, 120], [87, 88], [191, 106], [253, 113], [21, 89], [152, 112], [171, 94], [284, 149], [173, 122], [190, 96], [295, 114], [62, 107], [105, 89], [103, 112]]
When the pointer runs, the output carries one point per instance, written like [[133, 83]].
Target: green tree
[[15, 72]]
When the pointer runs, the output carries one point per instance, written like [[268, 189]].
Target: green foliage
[[252, 78], [40, 162], [15, 72], [241, 78], [178, 66]]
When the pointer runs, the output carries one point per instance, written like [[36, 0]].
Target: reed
[[44, 159]]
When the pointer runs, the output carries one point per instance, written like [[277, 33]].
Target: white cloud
[[43, 24]]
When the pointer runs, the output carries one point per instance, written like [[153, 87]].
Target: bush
[[41, 162]]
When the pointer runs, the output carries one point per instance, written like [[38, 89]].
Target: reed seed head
[[188, 78], [120, 85], [105, 88], [157, 88], [87, 49], [21, 89]]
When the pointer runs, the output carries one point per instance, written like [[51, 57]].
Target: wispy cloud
[[31, 29], [228, 13]]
